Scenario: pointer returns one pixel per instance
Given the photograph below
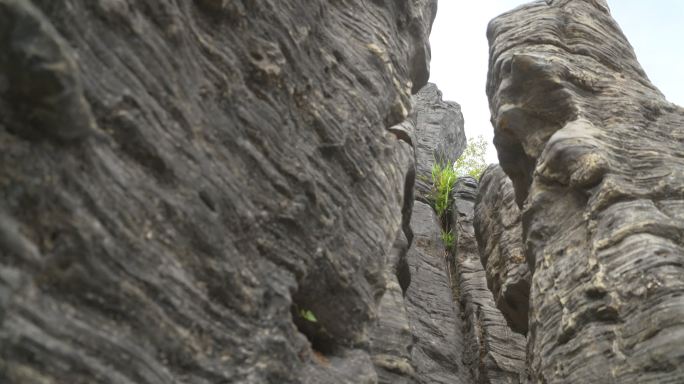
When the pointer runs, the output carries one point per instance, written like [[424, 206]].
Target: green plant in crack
[[448, 239], [471, 163], [308, 315], [443, 180]]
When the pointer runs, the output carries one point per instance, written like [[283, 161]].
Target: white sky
[[655, 29]]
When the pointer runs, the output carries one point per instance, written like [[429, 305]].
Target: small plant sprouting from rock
[[448, 239], [472, 162], [443, 180], [307, 315], [306, 321]]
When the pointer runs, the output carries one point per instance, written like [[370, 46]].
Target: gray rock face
[[439, 135], [498, 230], [493, 353], [41, 82], [435, 320], [417, 336], [596, 155], [391, 337], [238, 174]]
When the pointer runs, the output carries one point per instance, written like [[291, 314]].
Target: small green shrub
[[472, 162], [443, 180]]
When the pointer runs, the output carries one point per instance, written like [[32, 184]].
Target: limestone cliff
[[223, 192], [596, 156], [201, 191]]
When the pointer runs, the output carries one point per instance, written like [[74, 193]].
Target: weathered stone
[[417, 17], [404, 348], [391, 337], [493, 353], [498, 230], [596, 157], [435, 320], [439, 136], [41, 94], [243, 175]]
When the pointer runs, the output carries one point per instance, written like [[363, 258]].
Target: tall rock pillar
[[596, 156]]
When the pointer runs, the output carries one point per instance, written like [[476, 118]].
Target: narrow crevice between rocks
[[402, 270], [493, 353], [403, 275]]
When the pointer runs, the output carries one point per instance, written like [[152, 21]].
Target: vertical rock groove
[[417, 337], [498, 229], [493, 353]]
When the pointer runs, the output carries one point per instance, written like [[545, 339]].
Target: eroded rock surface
[[417, 336], [439, 135], [435, 319], [498, 229], [596, 156], [493, 353], [219, 169], [391, 336], [40, 78]]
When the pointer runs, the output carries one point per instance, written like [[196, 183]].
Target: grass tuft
[[448, 239], [443, 180]]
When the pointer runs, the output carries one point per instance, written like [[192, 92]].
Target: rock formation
[[417, 338], [493, 352], [216, 191], [498, 230], [439, 136], [596, 156], [435, 320], [201, 191], [392, 338]]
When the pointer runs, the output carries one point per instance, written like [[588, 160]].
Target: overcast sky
[[655, 29]]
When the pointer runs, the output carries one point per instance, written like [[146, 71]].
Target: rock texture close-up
[[595, 153], [435, 318], [391, 338], [498, 229], [493, 352], [200, 191]]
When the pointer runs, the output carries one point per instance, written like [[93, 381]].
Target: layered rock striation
[[238, 192], [417, 338], [201, 191], [493, 353], [434, 316], [595, 155], [498, 229]]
